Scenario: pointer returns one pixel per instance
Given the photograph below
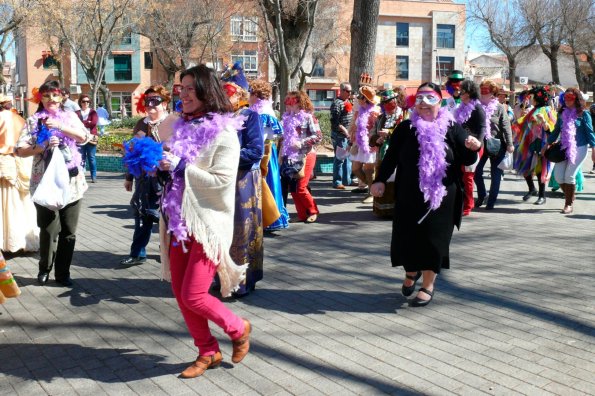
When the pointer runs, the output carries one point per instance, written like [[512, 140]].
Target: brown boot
[[570, 195], [202, 364], [242, 344]]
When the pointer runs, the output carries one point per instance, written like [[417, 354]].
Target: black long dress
[[424, 246]]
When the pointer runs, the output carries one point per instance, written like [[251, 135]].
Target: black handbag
[[555, 153], [492, 146]]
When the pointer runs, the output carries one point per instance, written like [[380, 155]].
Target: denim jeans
[[143, 226], [495, 175], [88, 153], [341, 168]]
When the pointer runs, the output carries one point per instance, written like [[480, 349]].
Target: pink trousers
[[304, 202], [191, 276]]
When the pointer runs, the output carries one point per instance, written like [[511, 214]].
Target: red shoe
[[466, 212]]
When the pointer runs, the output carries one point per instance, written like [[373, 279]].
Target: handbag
[[94, 140], [342, 153], [492, 146], [555, 153], [53, 191]]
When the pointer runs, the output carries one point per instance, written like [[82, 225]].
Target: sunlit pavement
[[514, 314]]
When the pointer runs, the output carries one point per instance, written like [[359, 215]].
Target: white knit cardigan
[[208, 208]]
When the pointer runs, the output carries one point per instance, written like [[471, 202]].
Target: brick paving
[[514, 315]]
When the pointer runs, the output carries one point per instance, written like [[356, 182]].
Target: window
[[250, 61], [318, 69], [117, 99], [402, 34], [122, 67], [127, 38], [402, 67], [445, 36], [148, 60], [321, 99], [243, 29], [445, 65]]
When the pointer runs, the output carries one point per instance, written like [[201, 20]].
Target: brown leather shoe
[[242, 344], [202, 364]]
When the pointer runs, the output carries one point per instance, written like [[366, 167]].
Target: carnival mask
[[430, 98], [51, 96], [569, 97], [230, 90], [485, 90], [291, 101], [390, 106], [153, 101]]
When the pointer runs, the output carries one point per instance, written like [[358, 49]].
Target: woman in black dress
[[428, 152]]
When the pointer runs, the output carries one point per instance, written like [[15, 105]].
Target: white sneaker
[[369, 199]]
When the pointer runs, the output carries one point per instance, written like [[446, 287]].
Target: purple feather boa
[[188, 140], [263, 106], [568, 134], [291, 138], [361, 124], [64, 118], [490, 109], [432, 155], [463, 111]]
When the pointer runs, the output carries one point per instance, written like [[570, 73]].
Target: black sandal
[[418, 302], [408, 290]]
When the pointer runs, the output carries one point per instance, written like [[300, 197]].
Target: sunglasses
[[431, 99], [85, 101], [347, 90], [153, 101]]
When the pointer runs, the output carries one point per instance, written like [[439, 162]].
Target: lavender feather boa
[[490, 109], [432, 155], [188, 140], [463, 112], [42, 134], [568, 134], [263, 106], [291, 139], [361, 131]]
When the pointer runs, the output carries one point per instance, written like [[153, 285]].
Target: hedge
[[121, 130]]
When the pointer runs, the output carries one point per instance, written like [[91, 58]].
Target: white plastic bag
[[506, 163], [341, 153], [53, 191]]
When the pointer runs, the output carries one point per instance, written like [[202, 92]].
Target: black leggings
[[531, 185]]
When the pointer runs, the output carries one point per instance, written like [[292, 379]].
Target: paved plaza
[[514, 315]]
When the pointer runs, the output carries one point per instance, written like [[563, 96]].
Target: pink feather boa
[[188, 140], [361, 124], [432, 158], [291, 139], [568, 134]]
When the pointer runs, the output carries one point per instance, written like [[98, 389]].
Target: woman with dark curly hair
[[301, 134], [471, 116], [532, 131], [574, 128]]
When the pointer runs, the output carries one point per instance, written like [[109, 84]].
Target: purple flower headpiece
[[43, 133], [568, 133], [432, 155], [188, 140], [291, 138], [361, 131]]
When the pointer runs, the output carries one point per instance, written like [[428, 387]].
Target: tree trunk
[[554, 65], [107, 99], [512, 77], [364, 27]]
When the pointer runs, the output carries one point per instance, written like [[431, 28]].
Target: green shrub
[[106, 143], [324, 120], [126, 123]]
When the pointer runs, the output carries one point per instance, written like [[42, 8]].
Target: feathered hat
[[235, 74]]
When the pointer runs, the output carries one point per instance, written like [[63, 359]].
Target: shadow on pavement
[[45, 362], [114, 211], [303, 302]]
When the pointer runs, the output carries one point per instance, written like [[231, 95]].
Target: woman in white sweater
[[197, 206]]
